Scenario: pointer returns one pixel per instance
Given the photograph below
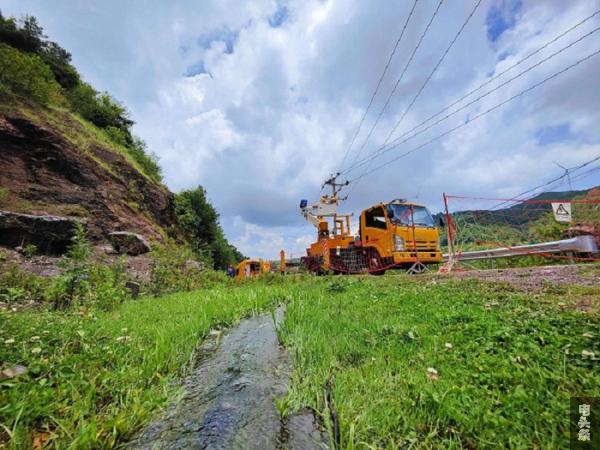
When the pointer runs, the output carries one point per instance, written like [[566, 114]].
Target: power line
[[570, 170], [397, 141], [382, 149], [435, 68], [478, 116], [433, 71], [385, 69], [387, 102], [586, 173], [508, 69]]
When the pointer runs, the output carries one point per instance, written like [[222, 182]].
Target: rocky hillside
[[68, 154], [53, 163]]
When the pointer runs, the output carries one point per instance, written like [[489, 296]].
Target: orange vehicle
[[251, 268], [394, 235]]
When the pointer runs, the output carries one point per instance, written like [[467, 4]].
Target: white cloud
[[267, 112]]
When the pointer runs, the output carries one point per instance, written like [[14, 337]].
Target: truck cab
[[401, 232], [251, 268]]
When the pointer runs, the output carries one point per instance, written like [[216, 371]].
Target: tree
[[200, 223], [29, 37], [59, 61], [27, 75]]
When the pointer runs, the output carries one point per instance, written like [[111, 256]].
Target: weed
[[3, 194], [30, 250], [19, 285], [174, 269]]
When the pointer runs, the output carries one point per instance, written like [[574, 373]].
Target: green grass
[[506, 380], [93, 377], [515, 360]]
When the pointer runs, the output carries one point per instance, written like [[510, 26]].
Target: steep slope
[[53, 162]]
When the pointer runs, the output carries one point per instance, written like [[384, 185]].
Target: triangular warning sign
[[562, 211]]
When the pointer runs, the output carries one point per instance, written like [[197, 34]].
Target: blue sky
[[258, 100], [502, 16]]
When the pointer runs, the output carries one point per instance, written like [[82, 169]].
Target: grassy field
[[452, 365], [93, 376], [410, 362]]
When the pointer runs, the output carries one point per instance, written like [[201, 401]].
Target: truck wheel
[[377, 273]]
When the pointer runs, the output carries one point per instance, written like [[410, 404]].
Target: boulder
[[129, 243], [50, 234]]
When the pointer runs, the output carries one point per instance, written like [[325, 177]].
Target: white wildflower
[[432, 374]]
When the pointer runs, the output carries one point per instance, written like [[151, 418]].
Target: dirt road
[[535, 279]]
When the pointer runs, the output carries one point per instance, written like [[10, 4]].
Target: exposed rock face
[[128, 243], [50, 234], [50, 164]]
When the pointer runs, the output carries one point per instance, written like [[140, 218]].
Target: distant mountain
[[521, 213]]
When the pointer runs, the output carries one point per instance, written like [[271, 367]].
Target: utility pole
[[567, 174], [335, 190], [335, 187]]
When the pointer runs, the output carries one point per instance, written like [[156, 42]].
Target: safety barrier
[[550, 228]]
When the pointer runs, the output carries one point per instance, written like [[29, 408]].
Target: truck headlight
[[398, 243]]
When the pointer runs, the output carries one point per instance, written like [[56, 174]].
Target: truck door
[[375, 232]]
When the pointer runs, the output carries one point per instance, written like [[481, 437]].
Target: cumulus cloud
[[258, 100]]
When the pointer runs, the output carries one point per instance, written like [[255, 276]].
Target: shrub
[[99, 108], [546, 228], [86, 283], [174, 269], [171, 269], [108, 284], [27, 75], [30, 250], [147, 161], [19, 285]]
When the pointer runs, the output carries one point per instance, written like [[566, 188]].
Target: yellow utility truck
[[251, 268], [394, 235]]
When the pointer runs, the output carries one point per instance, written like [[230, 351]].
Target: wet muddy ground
[[229, 399]]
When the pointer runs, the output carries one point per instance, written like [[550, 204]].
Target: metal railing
[[578, 245]]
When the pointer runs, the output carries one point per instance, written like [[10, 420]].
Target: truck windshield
[[402, 215]]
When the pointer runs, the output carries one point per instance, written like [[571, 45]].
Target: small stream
[[228, 400]]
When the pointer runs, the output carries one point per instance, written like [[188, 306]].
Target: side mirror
[[303, 203], [441, 222], [390, 213]]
